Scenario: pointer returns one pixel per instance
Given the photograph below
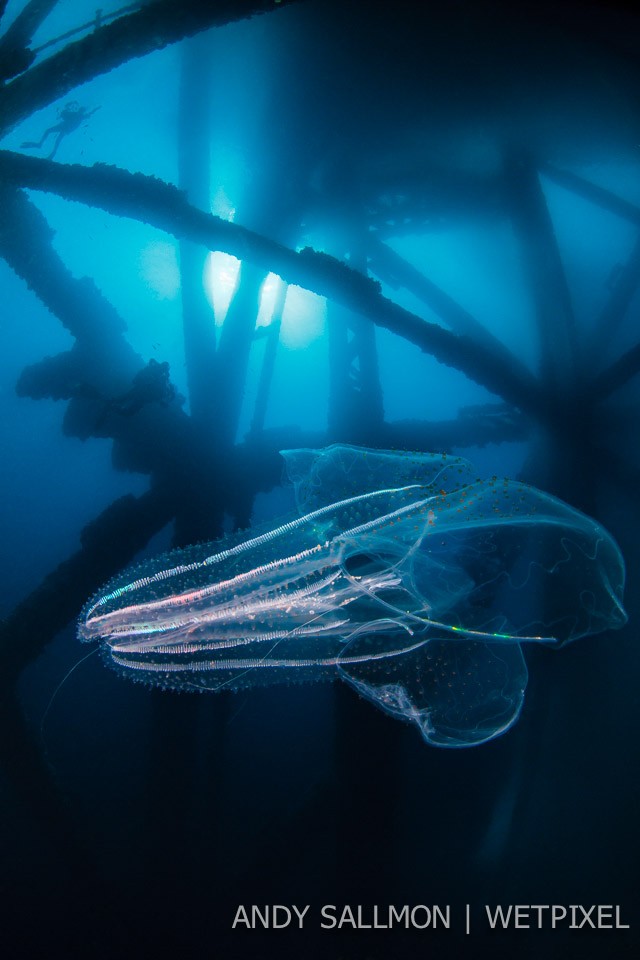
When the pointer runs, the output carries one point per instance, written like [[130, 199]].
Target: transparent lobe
[[402, 574]]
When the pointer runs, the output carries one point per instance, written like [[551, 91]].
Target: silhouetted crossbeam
[[152, 27], [393, 269], [610, 319], [618, 374], [25, 243], [15, 41], [156, 439], [109, 543], [590, 191], [106, 362], [429, 198], [152, 201], [25, 24], [473, 427]]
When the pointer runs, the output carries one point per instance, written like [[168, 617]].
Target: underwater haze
[[319, 361]]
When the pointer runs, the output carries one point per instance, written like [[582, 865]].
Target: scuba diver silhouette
[[71, 116]]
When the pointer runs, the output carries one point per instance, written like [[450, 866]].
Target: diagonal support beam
[[15, 52], [152, 27], [619, 373], [388, 266], [543, 266], [593, 193], [108, 544], [610, 319], [152, 201]]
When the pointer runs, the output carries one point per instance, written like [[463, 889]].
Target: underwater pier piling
[[624, 284], [542, 264], [194, 161], [203, 477], [154, 202]]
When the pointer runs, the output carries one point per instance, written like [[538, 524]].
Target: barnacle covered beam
[[100, 376], [102, 357], [162, 205], [26, 245], [15, 55], [153, 26]]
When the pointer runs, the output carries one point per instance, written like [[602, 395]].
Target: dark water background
[[133, 822]]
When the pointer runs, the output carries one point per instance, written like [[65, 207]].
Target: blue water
[[135, 820]]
